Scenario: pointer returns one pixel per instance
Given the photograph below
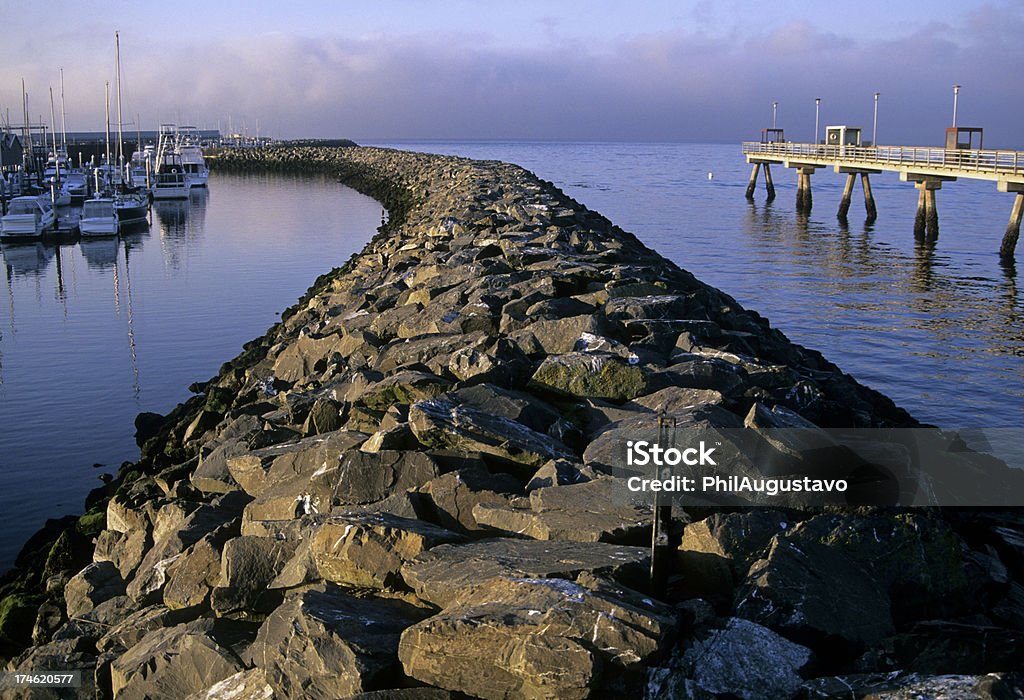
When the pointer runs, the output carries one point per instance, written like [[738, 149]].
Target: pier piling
[[919, 217], [803, 190], [931, 213], [752, 185], [769, 186], [844, 203], [869, 198], [1009, 243]]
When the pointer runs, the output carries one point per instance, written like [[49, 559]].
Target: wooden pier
[[926, 167]]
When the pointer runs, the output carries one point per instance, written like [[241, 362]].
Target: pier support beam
[[803, 189], [752, 185], [869, 199], [1009, 244], [1012, 229], [844, 203], [769, 186], [926, 222]]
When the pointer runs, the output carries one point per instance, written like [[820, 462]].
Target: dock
[[926, 167]]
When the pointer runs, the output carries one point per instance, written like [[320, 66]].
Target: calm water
[[940, 331], [127, 329], [94, 332]]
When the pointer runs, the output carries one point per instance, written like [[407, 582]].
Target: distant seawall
[[414, 479]]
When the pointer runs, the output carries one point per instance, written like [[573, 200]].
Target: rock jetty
[[411, 487]]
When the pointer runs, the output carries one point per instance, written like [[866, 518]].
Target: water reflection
[[26, 259], [892, 303], [181, 222], [99, 253]]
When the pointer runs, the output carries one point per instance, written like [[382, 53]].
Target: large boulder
[[741, 659], [445, 423], [172, 662], [445, 572], [325, 643], [530, 637]]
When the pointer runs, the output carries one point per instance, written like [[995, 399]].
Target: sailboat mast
[[117, 60], [107, 93], [53, 132], [63, 125]]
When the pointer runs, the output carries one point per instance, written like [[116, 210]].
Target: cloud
[[670, 85]]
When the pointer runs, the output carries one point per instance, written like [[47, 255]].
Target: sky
[[655, 70]]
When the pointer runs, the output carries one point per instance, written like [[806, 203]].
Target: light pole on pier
[[874, 126], [775, 109], [817, 111], [956, 92]]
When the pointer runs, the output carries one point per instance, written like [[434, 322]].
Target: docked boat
[[99, 218], [77, 186], [170, 181], [27, 218], [130, 205], [197, 173]]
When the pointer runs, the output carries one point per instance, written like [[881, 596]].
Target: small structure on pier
[[962, 138], [926, 167]]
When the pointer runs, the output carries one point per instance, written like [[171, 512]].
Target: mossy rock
[[92, 523], [17, 617], [590, 375]]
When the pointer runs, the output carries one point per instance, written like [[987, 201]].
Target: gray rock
[[815, 593], [256, 471], [443, 573], [329, 644], [743, 660], [248, 565], [532, 637], [92, 585], [250, 684], [172, 663], [595, 511], [368, 550], [559, 472], [443, 423], [452, 497]]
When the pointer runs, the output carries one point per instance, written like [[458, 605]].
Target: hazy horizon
[[695, 71]]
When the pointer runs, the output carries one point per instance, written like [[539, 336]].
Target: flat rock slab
[[594, 511], [172, 663], [448, 571], [446, 424], [326, 644], [530, 637], [258, 470]]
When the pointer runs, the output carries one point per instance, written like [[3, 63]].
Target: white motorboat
[[77, 186], [99, 218], [28, 218], [197, 173]]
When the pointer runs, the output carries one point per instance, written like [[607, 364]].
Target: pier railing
[[993, 164]]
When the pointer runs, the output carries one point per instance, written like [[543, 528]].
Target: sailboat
[[130, 203]]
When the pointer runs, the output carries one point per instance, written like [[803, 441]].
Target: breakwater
[[411, 481]]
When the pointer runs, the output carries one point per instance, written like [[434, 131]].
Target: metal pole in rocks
[[661, 542]]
